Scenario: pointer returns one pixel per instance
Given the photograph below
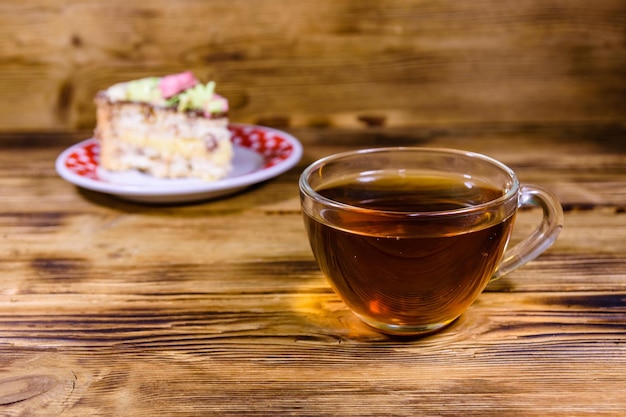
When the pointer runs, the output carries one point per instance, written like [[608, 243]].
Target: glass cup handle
[[541, 238]]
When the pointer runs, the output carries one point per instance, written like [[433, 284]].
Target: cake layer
[[162, 141]]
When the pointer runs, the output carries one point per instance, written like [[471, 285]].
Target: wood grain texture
[[322, 62], [218, 308]]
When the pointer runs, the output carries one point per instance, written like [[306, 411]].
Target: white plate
[[260, 153]]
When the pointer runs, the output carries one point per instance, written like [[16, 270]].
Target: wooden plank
[[52, 252], [308, 360], [305, 63], [152, 321]]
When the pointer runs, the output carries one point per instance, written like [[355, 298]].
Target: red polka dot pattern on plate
[[84, 160], [268, 143]]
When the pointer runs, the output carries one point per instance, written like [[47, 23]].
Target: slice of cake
[[168, 127]]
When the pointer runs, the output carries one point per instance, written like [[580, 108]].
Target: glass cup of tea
[[409, 237]]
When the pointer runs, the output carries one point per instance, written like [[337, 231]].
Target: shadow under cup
[[409, 237]]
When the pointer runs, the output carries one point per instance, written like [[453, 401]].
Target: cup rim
[[306, 188]]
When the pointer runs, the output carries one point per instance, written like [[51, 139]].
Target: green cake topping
[[182, 91], [144, 90], [196, 97]]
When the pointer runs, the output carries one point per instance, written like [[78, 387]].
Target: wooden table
[[110, 308]]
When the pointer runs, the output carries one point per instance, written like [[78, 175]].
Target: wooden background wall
[[322, 62]]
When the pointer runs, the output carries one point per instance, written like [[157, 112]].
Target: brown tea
[[400, 269]]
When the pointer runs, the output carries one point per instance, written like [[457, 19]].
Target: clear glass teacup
[[409, 237]]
